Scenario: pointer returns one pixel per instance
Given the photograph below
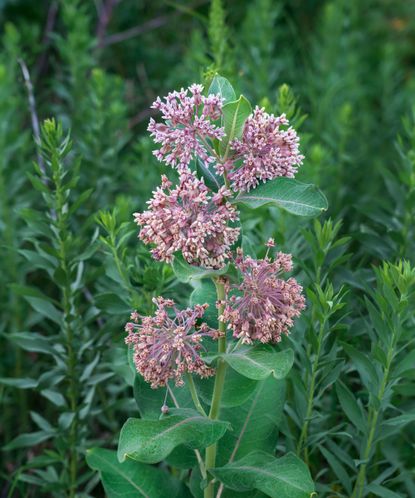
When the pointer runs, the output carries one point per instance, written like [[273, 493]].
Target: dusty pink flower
[[190, 219], [264, 305], [188, 122], [266, 150], [165, 348]]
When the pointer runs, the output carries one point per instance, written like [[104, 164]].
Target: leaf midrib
[[232, 130], [249, 359], [260, 470], [118, 471], [272, 199]]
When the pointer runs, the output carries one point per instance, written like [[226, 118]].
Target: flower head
[[165, 348], [264, 304], [188, 124], [266, 150], [189, 219]]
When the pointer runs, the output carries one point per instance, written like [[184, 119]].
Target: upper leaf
[[234, 117], [260, 362], [150, 441], [291, 195], [286, 477], [221, 86]]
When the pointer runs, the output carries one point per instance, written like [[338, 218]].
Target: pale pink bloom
[[264, 304], [191, 219], [188, 125], [267, 151], [167, 347]]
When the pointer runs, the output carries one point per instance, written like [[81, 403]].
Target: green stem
[[195, 397], [210, 457], [311, 390], [68, 313], [372, 422]]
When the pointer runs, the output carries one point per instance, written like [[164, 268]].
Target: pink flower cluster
[[264, 304], [188, 126], [190, 219], [266, 150], [165, 348]]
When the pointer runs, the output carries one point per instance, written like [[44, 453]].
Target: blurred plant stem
[[210, 457]]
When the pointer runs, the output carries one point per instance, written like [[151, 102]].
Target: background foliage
[[71, 267]]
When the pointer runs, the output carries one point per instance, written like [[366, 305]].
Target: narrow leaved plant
[[210, 375]]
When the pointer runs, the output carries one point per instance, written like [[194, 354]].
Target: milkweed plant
[[209, 374]]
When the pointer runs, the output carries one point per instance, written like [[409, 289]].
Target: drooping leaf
[[221, 86], [286, 477], [150, 441], [260, 362], [234, 117], [291, 195], [132, 479]]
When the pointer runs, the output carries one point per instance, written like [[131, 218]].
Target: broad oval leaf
[[187, 273], [234, 117], [149, 401], [150, 441], [286, 477], [260, 362], [132, 479], [297, 198], [237, 389], [255, 423], [221, 86]]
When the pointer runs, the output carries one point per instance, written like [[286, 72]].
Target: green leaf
[[405, 365], [381, 491], [234, 117], [221, 86], [237, 388], [350, 406], [131, 479], [205, 293], [149, 401], [54, 396], [286, 477], [186, 273], [260, 362], [150, 441], [26, 440], [291, 195], [33, 342], [20, 383], [338, 469], [254, 423], [208, 173], [364, 366], [400, 420]]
